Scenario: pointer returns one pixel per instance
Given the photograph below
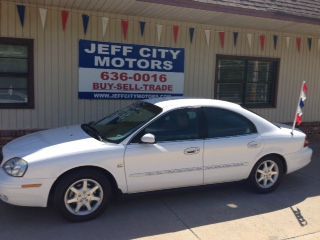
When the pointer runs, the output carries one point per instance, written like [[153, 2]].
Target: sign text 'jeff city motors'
[[128, 71]]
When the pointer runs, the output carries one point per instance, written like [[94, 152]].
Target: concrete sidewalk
[[227, 211]]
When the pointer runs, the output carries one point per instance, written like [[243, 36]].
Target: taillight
[[306, 143]]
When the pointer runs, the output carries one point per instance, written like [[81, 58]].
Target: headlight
[[15, 167]]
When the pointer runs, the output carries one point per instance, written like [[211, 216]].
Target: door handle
[[192, 150], [253, 144]]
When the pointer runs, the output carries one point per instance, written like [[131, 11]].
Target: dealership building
[[74, 61]]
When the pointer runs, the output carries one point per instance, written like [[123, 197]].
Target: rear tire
[[267, 174], [82, 195]]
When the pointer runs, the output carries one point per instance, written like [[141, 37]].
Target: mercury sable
[[150, 145]]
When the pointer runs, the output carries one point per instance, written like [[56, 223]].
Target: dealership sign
[[128, 71]]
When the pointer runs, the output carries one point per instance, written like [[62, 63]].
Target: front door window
[[177, 125]]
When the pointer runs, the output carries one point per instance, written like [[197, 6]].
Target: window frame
[[206, 137], [274, 87], [29, 43], [200, 119]]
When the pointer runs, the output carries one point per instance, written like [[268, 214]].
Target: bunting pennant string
[[222, 37], [159, 32], [298, 43], [175, 30], [21, 11], [235, 38], [43, 16], [249, 37], [104, 21], [288, 42], [142, 27], [64, 18], [85, 22], [262, 42], [275, 42], [309, 43], [207, 33], [125, 26], [191, 33]]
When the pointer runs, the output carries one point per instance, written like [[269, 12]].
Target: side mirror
[[148, 138]]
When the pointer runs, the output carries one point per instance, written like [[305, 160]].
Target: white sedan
[[150, 145]]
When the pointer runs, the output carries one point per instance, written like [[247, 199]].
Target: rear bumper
[[12, 192], [298, 160]]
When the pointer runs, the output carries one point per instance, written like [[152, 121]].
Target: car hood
[[50, 143]]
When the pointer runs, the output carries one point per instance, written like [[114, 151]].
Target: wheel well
[[283, 160], [104, 171]]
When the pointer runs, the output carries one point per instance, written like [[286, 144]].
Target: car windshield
[[119, 125]]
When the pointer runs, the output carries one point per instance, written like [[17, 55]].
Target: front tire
[[82, 195], [266, 175]]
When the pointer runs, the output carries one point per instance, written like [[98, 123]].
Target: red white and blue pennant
[[302, 99]]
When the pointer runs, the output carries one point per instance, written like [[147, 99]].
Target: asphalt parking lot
[[225, 211]]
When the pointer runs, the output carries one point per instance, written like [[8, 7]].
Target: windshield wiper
[[88, 128]]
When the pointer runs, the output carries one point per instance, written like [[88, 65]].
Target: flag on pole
[[301, 103]]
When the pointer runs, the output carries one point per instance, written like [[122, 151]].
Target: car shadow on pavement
[[157, 213]]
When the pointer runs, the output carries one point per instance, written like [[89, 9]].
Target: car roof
[[178, 102]]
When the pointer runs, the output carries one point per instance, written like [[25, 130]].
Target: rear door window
[[225, 123]]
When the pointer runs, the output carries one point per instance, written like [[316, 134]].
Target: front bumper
[[12, 192], [298, 160]]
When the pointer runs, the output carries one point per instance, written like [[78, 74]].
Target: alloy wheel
[[267, 174], [83, 197]]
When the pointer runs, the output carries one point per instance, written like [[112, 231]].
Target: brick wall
[[8, 135]]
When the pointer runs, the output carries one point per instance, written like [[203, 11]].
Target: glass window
[[121, 124], [16, 73], [225, 123], [181, 124], [246, 80]]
